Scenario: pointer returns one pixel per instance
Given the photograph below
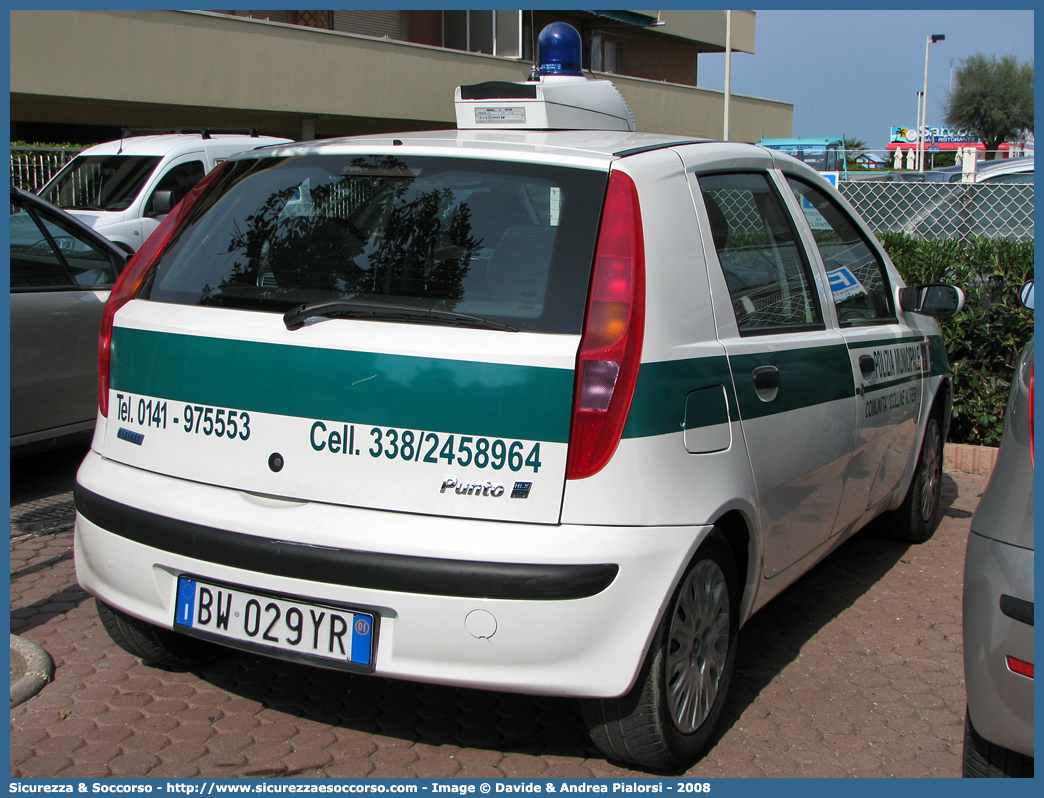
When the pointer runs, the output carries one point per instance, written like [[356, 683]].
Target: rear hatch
[[376, 331]]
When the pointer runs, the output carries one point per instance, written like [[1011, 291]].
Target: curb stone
[[970, 459], [31, 669]]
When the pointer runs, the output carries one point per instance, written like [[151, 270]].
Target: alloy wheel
[[931, 470], [698, 646]]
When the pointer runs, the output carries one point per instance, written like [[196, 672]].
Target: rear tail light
[[1020, 667], [611, 347], [134, 275]]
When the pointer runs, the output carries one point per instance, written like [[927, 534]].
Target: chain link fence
[[32, 167], [963, 211]]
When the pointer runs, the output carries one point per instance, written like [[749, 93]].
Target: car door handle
[[867, 365], [766, 378]]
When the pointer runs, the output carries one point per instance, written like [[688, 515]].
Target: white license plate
[[278, 625]]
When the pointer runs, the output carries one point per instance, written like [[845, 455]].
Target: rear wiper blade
[[294, 318]]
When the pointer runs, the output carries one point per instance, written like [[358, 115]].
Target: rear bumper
[[574, 606], [998, 622]]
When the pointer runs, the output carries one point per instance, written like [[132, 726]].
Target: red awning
[[943, 146]]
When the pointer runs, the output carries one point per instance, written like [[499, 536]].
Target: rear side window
[[764, 264], [1017, 178], [858, 281], [179, 180], [507, 242]]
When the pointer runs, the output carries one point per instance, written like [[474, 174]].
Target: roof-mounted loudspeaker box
[[558, 97]]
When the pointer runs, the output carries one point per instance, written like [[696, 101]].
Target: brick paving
[[856, 670]]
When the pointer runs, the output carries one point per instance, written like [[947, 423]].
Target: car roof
[[1007, 165], [992, 170], [85, 230], [162, 144], [594, 148]]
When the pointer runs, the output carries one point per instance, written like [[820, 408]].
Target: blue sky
[[857, 73]]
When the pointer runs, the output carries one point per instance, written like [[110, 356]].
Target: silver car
[[1005, 170], [998, 598], [61, 274]]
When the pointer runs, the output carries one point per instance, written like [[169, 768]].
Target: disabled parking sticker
[[844, 284]]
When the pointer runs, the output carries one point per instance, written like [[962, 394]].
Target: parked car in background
[[124, 188], [1006, 170], [542, 404], [61, 273], [960, 208], [998, 597], [944, 174]]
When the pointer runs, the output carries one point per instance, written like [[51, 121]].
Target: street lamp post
[[932, 39], [728, 72], [920, 98]]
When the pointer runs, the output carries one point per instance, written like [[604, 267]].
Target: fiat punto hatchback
[[515, 406]]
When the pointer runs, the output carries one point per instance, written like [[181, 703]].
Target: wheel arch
[[736, 529], [941, 403]]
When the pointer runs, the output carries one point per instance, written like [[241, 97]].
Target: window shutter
[[370, 23]]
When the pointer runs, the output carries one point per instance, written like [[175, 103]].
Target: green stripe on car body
[[807, 377], [658, 407], [906, 339], [937, 352], [936, 348], [497, 400], [884, 386], [444, 395]]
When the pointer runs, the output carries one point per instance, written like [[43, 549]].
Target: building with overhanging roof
[[83, 75]]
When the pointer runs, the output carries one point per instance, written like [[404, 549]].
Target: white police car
[[551, 411]]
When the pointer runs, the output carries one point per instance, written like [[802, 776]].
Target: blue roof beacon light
[[558, 51], [557, 97]]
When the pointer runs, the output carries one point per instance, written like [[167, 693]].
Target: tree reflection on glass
[[376, 229]]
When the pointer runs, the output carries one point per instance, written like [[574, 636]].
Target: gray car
[[1006, 170], [61, 274], [998, 598]]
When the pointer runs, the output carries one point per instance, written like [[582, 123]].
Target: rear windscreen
[[502, 241]]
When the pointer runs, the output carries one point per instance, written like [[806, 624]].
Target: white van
[[124, 188], [513, 406]]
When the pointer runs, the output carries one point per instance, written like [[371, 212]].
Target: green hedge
[[48, 146], [984, 341]]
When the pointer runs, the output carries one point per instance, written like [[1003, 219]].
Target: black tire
[[155, 646], [640, 728], [915, 520], [983, 759]]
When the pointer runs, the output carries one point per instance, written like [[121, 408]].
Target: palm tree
[[852, 148]]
